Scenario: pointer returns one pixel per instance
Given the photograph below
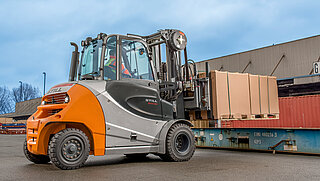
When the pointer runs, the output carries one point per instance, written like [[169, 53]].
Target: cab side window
[[110, 60], [135, 61]]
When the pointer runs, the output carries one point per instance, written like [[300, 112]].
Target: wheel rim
[[72, 149], [182, 143]]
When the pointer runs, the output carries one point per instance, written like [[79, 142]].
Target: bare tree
[[6, 101], [25, 92]]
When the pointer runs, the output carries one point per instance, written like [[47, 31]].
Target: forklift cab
[[133, 62], [128, 58], [128, 71]]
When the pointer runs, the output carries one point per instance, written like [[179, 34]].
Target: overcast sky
[[35, 35]]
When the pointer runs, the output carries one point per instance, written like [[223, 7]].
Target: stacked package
[[243, 96]]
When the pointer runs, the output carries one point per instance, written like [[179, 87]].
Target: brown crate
[[239, 94], [264, 102], [202, 75], [254, 94], [2, 120], [6, 120], [192, 115], [204, 123], [196, 124], [204, 115], [273, 95], [220, 99]]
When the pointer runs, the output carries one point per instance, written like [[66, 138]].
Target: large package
[[254, 94], [243, 96], [220, 94], [239, 95], [273, 95]]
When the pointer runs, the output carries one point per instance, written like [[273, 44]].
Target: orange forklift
[[121, 98]]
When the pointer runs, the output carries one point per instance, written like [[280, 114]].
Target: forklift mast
[[179, 84]]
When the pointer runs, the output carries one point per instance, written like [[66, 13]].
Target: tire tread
[[169, 155], [53, 145], [37, 159]]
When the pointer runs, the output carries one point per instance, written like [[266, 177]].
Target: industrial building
[[285, 60], [15, 123], [23, 110]]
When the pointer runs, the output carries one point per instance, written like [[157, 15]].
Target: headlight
[[67, 99], [43, 102]]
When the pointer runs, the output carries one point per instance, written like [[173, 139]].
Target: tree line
[[8, 98]]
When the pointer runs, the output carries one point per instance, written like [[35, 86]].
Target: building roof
[[25, 108], [274, 45], [290, 59]]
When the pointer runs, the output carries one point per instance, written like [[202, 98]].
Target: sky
[[35, 35]]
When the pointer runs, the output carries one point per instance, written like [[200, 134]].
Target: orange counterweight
[[83, 112]]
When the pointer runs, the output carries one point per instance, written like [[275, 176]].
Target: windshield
[[135, 61], [91, 56]]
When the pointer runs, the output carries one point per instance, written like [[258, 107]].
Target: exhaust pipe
[[74, 62]]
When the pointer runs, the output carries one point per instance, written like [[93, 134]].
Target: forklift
[[121, 98]]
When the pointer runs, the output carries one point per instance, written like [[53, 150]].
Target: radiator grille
[[56, 98]]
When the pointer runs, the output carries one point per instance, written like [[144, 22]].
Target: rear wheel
[[69, 149], [37, 159], [180, 143]]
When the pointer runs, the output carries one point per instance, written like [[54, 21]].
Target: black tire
[[180, 143], [69, 149], [137, 155], [37, 159]]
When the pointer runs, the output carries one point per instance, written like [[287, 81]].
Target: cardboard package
[[204, 123], [273, 95], [202, 75], [220, 98], [254, 94], [239, 94], [192, 115], [7, 120], [196, 124], [204, 114], [264, 99]]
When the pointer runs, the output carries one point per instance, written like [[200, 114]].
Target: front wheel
[[37, 159], [180, 143], [69, 149]]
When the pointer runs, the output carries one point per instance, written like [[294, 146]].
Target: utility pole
[[21, 97], [44, 82]]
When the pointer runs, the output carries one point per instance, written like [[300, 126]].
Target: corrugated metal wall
[[298, 60]]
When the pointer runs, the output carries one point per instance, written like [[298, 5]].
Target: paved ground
[[207, 164]]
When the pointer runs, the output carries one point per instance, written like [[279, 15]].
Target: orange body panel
[[83, 112]]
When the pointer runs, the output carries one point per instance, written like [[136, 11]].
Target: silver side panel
[[127, 132], [95, 86], [124, 128], [132, 150]]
